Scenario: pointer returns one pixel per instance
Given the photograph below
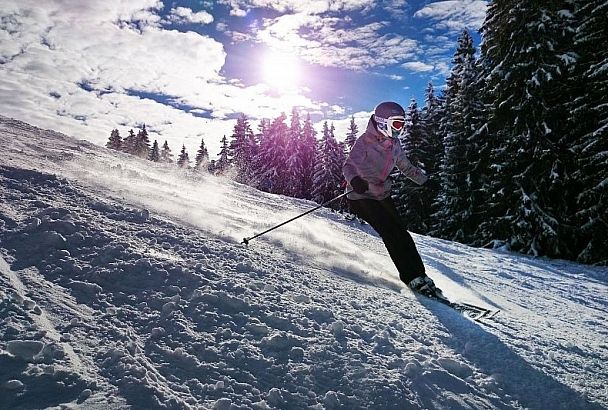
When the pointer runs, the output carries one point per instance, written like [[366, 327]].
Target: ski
[[474, 312]]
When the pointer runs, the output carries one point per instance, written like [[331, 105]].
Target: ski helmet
[[390, 119]]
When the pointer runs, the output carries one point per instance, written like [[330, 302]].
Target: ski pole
[[246, 240]]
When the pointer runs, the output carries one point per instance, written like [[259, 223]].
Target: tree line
[[139, 145], [279, 158]]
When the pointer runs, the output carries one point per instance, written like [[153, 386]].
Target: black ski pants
[[383, 217]]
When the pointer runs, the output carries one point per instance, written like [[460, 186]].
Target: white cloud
[[455, 15], [418, 66], [443, 68], [237, 12], [242, 7], [65, 46], [335, 42], [183, 15], [337, 109], [396, 9], [283, 34], [238, 37]]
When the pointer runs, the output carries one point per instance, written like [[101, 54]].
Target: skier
[[367, 170]]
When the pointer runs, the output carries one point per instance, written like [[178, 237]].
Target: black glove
[[359, 184]]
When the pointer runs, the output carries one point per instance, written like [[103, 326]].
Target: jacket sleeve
[[352, 165], [409, 170]]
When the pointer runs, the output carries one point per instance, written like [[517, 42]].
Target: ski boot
[[425, 286]]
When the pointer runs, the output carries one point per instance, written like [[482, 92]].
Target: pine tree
[[524, 54], [432, 154], [271, 168], [340, 159], [295, 126], [243, 148], [431, 117], [260, 181], [328, 179], [115, 140], [141, 147], [353, 132], [211, 168], [589, 122], [338, 162], [406, 196], [128, 145], [202, 157], [154, 152], [166, 155], [294, 187], [308, 148], [183, 161], [415, 141], [455, 206], [223, 162], [480, 145]]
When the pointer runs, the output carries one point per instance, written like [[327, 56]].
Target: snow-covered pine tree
[[589, 120], [154, 152], [432, 153], [328, 168], [165, 154], [294, 158], [223, 162], [340, 159], [308, 148], [454, 205], [480, 144], [201, 161], [406, 194], [271, 159], [415, 141], [262, 136], [453, 155], [128, 145], [341, 156], [141, 147], [352, 134], [243, 148], [115, 140], [525, 55], [211, 168], [183, 160]]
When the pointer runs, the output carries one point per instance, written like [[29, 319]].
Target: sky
[[187, 69]]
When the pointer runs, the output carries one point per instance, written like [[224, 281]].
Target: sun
[[281, 71]]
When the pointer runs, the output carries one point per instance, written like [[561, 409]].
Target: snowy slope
[[124, 285]]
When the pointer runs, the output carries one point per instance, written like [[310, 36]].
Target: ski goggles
[[396, 123], [392, 126]]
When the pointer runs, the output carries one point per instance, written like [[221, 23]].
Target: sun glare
[[281, 71]]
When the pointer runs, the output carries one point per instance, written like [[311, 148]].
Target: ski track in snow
[[124, 285]]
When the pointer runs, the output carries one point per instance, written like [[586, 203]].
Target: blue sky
[[187, 68]]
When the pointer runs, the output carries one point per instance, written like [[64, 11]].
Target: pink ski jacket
[[373, 157]]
